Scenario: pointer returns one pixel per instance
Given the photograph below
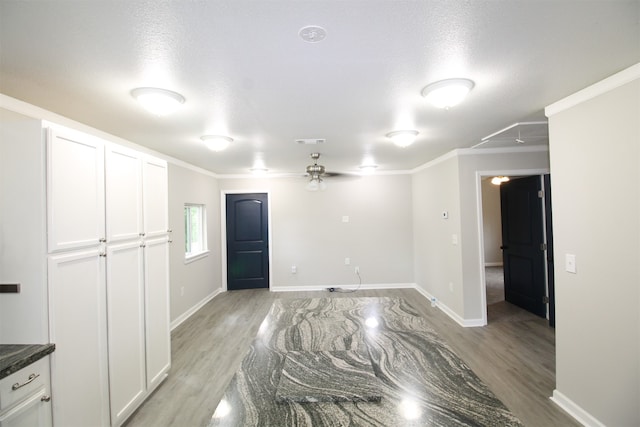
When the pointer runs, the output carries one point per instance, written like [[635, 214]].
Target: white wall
[[595, 168], [453, 272], [307, 230], [23, 316], [438, 268], [195, 282], [491, 222]]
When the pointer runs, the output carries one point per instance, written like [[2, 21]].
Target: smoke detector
[[312, 34]]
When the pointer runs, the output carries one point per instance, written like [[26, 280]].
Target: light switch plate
[[570, 263]]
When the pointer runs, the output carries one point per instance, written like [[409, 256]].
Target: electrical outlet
[[181, 291], [450, 286], [357, 270], [294, 269], [347, 261]]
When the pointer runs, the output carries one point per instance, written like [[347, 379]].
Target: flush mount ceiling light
[[403, 138], [497, 180], [216, 142], [447, 93], [312, 34], [158, 101], [259, 170], [368, 169]]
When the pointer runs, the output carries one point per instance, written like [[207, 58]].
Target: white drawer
[[31, 378]]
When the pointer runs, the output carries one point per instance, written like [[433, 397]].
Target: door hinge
[[543, 246], [540, 194], [545, 299]]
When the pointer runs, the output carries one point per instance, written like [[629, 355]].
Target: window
[[195, 231]]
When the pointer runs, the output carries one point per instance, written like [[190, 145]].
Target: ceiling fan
[[316, 173]]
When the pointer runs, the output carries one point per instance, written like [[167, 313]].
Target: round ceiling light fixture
[[160, 102], [403, 138], [216, 142], [447, 93], [312, 34]]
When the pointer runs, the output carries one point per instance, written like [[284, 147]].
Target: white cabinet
[[109, 312], [75, 190], [156, 267], [123, 194], [77, 309], [126, 328], [155, 196], [25, 397]]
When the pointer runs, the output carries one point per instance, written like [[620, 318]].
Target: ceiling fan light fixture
[[160, 102], [447, 93], [403, 138], [216, 142], [316, 183]]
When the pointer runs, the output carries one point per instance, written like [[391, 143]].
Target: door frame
[[483, 280], [223, 233]]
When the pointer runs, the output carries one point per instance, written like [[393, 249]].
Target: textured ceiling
[[245, 72]]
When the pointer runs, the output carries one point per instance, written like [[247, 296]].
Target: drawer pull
[[31, 378], [45, 398]]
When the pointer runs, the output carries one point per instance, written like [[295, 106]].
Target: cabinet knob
[[45, 398], [169, 231], [170, 241], [141, 234], [102, 254], [103, 240]]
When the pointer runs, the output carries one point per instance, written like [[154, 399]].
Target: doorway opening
[[516, 245]]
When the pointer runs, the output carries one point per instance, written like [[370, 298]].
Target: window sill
[[196, 257]]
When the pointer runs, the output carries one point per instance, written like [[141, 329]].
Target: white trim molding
[[622, 78], [345, 287], [465, 323], [573, 409], [187, 314]]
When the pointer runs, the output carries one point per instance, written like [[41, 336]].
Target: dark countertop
[[14, 357]]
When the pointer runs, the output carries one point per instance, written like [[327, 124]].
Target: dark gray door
[[247, 241], [522, 239]]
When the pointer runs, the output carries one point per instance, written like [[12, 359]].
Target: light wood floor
[[514, 355]]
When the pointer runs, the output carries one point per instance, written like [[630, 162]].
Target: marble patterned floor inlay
[[288, 376], [327, 376]]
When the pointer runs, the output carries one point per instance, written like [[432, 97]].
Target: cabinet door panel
[[33, 411], [123, 182], [154, 189], [157, 310], [78, 328], [75, 191], [125, 325]]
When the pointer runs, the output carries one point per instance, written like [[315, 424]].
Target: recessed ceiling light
[[312, 34], [158, 101], [447, 93], [216, 142], [403, 138]]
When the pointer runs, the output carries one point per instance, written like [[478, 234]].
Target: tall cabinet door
[[125, 326], [77, 311], [155, 197], [123, 183], [75, 190], [156, 262]]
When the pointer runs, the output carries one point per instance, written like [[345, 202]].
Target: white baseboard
[[493, 264], [184, 316], [573, 409], [466, 323], [348, 287]]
